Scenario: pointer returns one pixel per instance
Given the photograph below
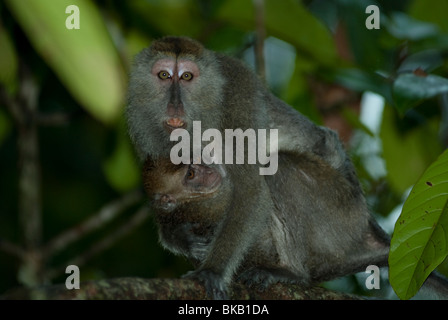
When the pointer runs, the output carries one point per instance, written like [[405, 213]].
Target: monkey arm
[[246, 218], [299, 134]]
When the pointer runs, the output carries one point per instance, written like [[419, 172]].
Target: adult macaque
[[177, 81]]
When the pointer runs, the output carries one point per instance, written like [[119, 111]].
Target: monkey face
[[171, 186], [173, 76], [173, 83]]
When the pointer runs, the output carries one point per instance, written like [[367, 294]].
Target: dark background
[[319, 57]]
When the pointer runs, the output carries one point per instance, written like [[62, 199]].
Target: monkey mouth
[[174, 123]]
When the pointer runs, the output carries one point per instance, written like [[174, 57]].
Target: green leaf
[[427, 60], [121, 169], [420, 240], [287, 20], [409, 89], [407, 153], [403, 26], [431, 11], [418, 87], [8, 61], [360, 80], [168, 17], [84, 59]]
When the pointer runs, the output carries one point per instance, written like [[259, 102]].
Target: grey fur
[[227, 95], [306, 242]]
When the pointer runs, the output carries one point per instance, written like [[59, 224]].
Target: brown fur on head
[[177, 45], [155, 173]]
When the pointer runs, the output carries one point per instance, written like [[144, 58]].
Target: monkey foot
[[213, 283]]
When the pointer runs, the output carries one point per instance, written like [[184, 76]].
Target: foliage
[[420, 238], [73, 55], [330, 60]]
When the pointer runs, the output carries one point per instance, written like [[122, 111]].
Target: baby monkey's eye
[[190, 174], [164, 75], [187, 76]]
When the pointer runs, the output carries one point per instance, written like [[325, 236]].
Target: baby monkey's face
[[170, 185]]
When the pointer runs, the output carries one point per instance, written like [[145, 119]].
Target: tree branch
[[23, 108], [260, 36], [107, 213], [12, 249], [104, 243], [170, 289]]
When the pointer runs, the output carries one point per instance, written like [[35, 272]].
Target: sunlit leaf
[[84, 59], [420, 240]]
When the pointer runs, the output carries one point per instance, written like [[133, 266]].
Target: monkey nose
[[166, 198]]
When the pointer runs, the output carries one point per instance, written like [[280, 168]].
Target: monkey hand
[[213, 282]]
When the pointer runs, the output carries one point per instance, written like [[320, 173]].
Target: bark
[[168, 289]]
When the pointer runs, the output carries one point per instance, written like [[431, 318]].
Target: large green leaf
[[84, 59], [420, 240], [287, 20]]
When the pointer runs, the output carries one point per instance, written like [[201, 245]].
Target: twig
[[12, 249], [56, 119], [103, 216], [260, 36], [23, 108], [29, 168], [104, 243]]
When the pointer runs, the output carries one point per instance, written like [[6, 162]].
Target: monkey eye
[[187, 76], [190, 174], [164, 75]]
